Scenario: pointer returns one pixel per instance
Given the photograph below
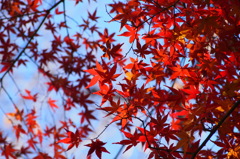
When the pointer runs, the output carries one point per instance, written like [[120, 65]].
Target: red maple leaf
[[29, 96], [8, 151], [97, 146], [52, 103], [6, 66], [19, 130], [73, 139], [87, 115], [131, 141], [93, 16], [131, 33]]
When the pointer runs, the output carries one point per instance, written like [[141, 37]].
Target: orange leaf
[[52, 103]]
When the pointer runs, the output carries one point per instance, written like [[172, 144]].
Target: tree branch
[[31, 38], [216, 128]]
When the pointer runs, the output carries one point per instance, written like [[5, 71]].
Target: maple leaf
[[142, 50], [185, 139], [24, 151], [31, 121], [52, 104], [85, 25], [87, 115], [42, 156], [32, 143], [29, 96], [18, 115], [105, 37], [6, 66], [177, 96], [102, 75], [40, 136], [147, 137], [111, 51], [77, 1], [8, 151], [192, 42], [192, 91], [106, 91], [132, 139], [97, 146], [69, 104], [180, 72], [50, 26], [96, 77], [34, 4], [234, 152], [58, 12], [15, 8], [93, 16], [73, 139], [112, 108], [231, 89], [2, 139], [123, 114], [20, 62], [131, 33], [18, 130]]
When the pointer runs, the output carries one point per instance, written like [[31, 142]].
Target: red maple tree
[[172, 85]]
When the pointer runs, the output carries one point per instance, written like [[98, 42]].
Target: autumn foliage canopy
[[165, 74]]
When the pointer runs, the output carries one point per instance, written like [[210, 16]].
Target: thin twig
[[29, 41], [23, 15]]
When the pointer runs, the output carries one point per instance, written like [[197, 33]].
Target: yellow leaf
[[149, 89], [234, 153], [220, 109], [129, 75]]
